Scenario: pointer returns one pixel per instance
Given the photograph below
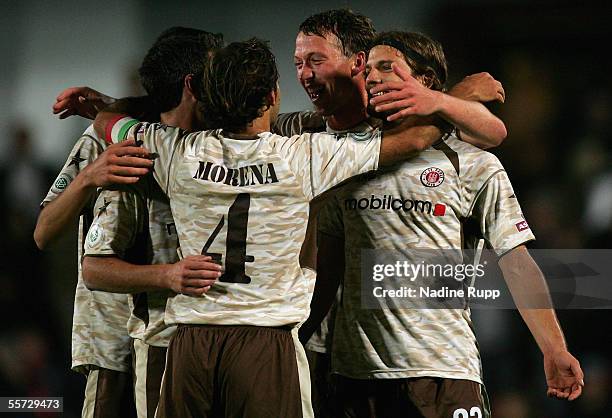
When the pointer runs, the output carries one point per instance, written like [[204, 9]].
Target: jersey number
[[235, 244], [462, 413]]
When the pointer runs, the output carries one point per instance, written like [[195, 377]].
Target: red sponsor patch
[[439, 210], [521, 226]]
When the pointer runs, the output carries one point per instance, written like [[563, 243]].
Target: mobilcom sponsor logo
[[396, 204]]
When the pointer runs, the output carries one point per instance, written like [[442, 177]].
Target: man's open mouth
[[314, 92]]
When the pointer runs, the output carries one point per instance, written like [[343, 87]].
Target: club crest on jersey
[[432, 177]]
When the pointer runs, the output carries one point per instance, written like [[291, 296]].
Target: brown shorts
[[149, 364], [108, 393], [423, 397], [235, 371]]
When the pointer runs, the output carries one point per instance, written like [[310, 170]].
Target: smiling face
[[324, 72], [378, 70]]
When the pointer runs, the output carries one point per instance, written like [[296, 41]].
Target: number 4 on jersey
[[235, 243]]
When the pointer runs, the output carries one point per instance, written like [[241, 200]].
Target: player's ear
[[427, 79], [359, 63], [188, 86], [274, 96]]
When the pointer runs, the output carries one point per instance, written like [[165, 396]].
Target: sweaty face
[[323, 71], [378, 70]]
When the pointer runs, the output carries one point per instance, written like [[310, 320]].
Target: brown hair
[[354, 30], [424, 55], [236, 84]]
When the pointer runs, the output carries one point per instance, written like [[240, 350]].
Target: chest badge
[[432, 177]]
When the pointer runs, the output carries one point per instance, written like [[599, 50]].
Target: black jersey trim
[[450, 153]]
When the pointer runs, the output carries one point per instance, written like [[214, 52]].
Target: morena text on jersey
[[242, 176]]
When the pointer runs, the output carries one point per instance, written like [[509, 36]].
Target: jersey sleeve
[[84, 152], [297, 123], [118, 220], [498, 213], [330, 220], [159, 139], [324, 160]]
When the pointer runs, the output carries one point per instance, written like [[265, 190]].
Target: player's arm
[[482, 88], [119, 164], [87, 102], [527, 285], [193, 275], [405, 140], [330, 270], [503, 226], [411, 98], [58, 214], [322, 160], [479, 87], [137, 108], [296, 123], [82, 101], [117, 228], [117, 122]]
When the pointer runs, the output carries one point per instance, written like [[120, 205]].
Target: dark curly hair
[[236, 83], [177, 52], [354, 30], [424, 55]]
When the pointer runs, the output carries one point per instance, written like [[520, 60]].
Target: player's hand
[[122, 163], [409, 97], [480, 87], [564, 377], [82, 101], [193, 275]]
